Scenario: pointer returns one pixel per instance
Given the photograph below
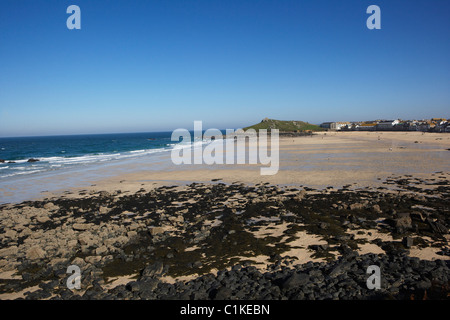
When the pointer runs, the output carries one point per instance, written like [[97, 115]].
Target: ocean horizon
[[32, 165], [24, 156], [19, 155]]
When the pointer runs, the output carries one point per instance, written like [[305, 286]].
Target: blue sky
[[158, 65]]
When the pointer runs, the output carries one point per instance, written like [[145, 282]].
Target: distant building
[[326, 125], [342, 125], [425, 125], [366, 126], [335, 125], [387, 124]]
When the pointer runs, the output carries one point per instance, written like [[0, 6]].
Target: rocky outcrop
[[35, 253], [81, 226], [403, 222], [198, 228]]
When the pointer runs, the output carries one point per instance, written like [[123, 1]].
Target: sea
[[80, 155], [61, 152]]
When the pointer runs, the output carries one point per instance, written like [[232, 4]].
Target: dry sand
[[363, 159]]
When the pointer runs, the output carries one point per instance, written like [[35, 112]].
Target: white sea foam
[[20, 173], [27, 168], [99, 157], [18, 161], [59, 162], [56, 162]]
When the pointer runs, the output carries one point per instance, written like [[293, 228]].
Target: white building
[[387, 124], [334, 125]]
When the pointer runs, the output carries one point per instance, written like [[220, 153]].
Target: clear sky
[[158, 65]]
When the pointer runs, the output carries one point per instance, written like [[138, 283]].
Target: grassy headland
[[285, 126]]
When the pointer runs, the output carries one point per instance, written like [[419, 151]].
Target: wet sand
[[362, 159]]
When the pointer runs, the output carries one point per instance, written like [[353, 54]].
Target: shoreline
[[322, 160]]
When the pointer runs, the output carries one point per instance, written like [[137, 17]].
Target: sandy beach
[[370, 193], [362, 159]]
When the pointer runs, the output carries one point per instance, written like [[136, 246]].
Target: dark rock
[[142, 286], [342, 237], [444, 252], [342, 278], [237, 267], [437, 226], [104, 194], [340, 269], [344, 249], [37, 295], [59, 273], [324, 225], [2, 161], [397, 283], [403, 222], [49, 285], [356, 206], [199, 295], [295, 280], [376, 208], [33, 160], [423, 285], [318, 247], [407, 242], [223, 293], [154, 270], [91, 295], [184, 296], [301, 195]]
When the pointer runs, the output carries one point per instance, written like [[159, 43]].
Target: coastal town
[[427, 125]]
